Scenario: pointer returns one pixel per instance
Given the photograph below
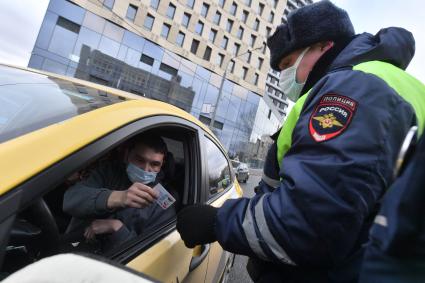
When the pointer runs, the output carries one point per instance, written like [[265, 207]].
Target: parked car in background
[[53, 129], [241, 170]]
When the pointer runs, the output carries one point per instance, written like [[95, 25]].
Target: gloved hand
[[196, 223]]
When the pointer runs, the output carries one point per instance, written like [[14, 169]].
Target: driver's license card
[[165, 199]]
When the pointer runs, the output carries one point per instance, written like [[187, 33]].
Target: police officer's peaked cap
[[307, 25]]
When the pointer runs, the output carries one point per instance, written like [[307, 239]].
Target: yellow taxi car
[[53, 129]]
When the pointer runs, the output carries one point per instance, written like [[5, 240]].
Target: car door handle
[[197, 260]]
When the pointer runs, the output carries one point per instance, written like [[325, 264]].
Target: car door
[[220, 186], [161, 255]]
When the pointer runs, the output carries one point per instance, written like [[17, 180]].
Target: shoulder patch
[[331, 116]]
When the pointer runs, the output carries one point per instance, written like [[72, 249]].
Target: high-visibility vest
[[408, 87]]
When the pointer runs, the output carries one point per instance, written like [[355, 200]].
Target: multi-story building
[[279, 99], [176, 51]]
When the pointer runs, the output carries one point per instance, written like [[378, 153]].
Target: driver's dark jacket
[[312, 228], [87, 201]]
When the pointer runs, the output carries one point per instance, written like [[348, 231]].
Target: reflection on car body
[[45, 148]]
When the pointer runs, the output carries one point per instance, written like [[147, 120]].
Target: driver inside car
[[116, 202]]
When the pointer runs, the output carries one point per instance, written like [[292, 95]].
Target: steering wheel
[[39, 214]]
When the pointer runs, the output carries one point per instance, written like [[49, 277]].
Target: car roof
[[29, 154]]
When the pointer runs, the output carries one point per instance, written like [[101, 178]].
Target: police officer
[[396, 250], [335, 152]]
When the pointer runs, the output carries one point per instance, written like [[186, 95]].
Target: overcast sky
[[372, 15], [21, 20], [20, 23]]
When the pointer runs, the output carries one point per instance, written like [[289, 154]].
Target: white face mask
[[288, 79]]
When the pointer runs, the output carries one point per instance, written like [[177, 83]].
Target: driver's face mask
[[138, 175]]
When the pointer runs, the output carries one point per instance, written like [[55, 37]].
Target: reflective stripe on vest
[[409, 88]]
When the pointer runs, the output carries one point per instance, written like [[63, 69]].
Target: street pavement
[[238, 273]]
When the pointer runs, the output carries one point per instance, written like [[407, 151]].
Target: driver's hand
[[102, 226], [137, 196]]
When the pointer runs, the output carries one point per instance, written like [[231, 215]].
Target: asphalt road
[[238, 273]]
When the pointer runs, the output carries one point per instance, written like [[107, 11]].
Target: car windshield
[[31, 101]]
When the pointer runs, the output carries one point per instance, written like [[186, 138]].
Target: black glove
[[196, 223]]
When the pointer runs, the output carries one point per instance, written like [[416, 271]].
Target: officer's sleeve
[[343, 149]]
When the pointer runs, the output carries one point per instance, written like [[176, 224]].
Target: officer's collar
[[322, 65]]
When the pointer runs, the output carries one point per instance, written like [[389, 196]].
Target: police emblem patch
[[331, 116]]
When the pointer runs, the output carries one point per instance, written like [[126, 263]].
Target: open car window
[[31, 238]]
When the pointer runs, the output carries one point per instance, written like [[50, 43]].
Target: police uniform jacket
[[336, 156]]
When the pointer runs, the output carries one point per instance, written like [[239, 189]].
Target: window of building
[[199, 27], [253, 39], [291, 5], [260, 63], [221, 3], [180, 39], [155, 4], [205, 8], [165, 30], [271, 17], [244, 16], [233, 9], [185, 20], [255, 81], [268, 31], [67, 24], [240, 32], [260, 8], [220, 59], [248, 56], [190, 3], [217, 124], [147, 59], [248, 3], [244, 72], [213, 34], [194, 47], [131, 12], [217, 18], [270, 114], [256, 24], [168, 69], [224, 42], [236, 48], [231, 66], [264, 48], [170, 11], [149, 20], [109, 4], [218, 169], [229, 25], [274, 3], [207, 54]]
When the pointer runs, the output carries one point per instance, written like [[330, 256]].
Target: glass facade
[[99, 51]]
